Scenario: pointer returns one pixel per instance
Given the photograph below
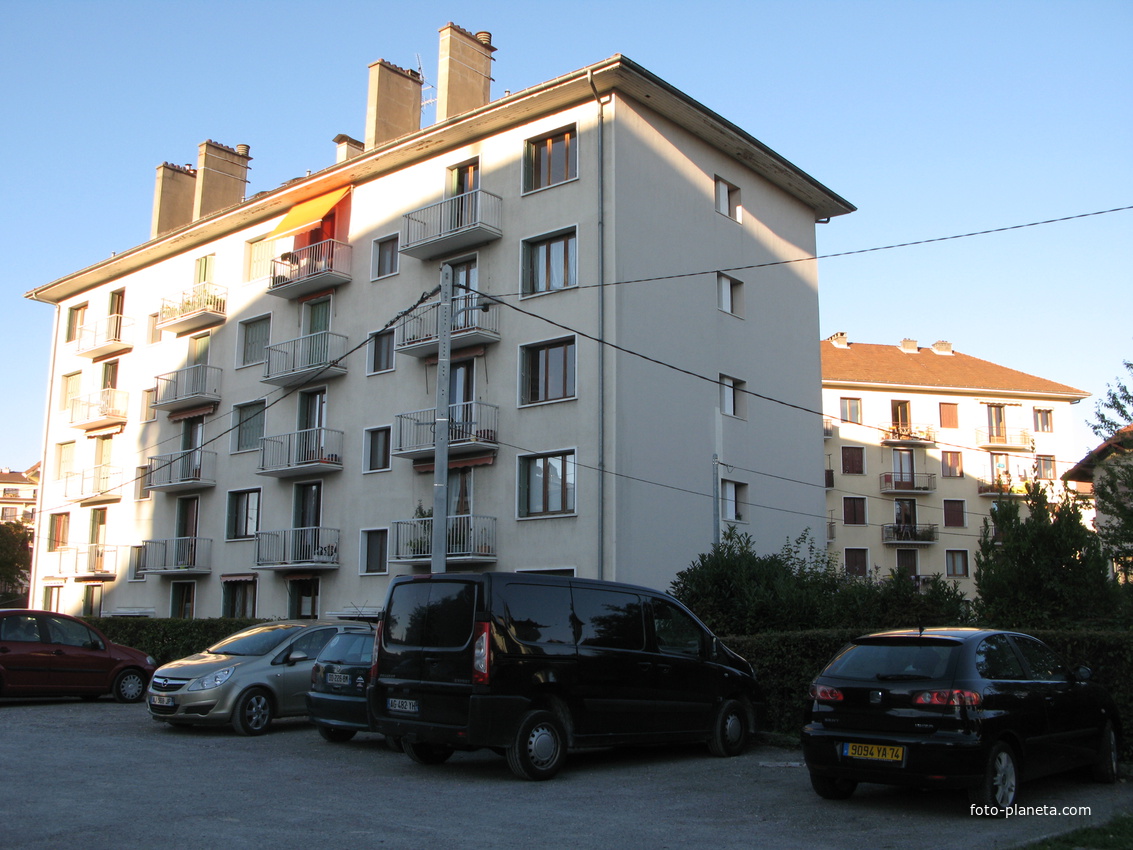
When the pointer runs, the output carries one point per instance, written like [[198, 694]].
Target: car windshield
[[259, 640], [894, 661]]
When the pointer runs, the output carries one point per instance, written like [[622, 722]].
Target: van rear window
[[435, 613], [609, 619]]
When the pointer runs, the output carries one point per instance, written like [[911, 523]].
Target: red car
[[47, 654]]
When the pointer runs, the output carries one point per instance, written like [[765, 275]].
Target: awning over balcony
[[307, 215]]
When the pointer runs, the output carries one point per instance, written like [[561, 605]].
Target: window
[[181, 597], [949, 414], [7, 514], [153, 333], [995, 659], [609, 619], [374, 543], [379, 354], [109, 375], [851, 410], [857, 562], [51, 597], [997, 423], [853, 460], [303, 598], [262, 252], [254, 336], [548, 371], [243, 514], [952, 464], [677, 633], [149, 397], [550, 160], [376, 444], [92, 607], [728, 199], [137, 565], [11, 492], [141, 476], [1044, 467], [58, 530], [956, 563], [249, 426], [546, 484], [1044, 420], [732, 396], [730, 294], [76, 316], [954, 513], [1045, 665], [238, 598], [853, 510], [550, 263], [205, 267], [383, 261], [69, 389], [733, 500], [907, 561], [64, 460]]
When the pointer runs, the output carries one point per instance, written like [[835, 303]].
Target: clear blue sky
[[933, 118]]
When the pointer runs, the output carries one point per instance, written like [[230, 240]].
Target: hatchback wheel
[[335, 735], [1001, 778], [253, 712], [830, 788], [129, 686], [729, 730], [1105, 768]]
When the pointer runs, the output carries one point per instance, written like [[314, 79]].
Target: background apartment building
[[919, 444], [241, 414]]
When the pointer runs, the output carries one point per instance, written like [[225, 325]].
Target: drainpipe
[[601, 331], [439, 552]]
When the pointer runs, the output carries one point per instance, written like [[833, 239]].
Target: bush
[[168, 639]]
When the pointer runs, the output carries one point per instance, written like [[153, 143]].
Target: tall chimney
[[222, 174], [393, 107], [173, 193], [464, 79]]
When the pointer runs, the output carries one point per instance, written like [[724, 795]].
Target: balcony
[[91, 562], [98, 484], [313, 451], [453, 224], [100, 410], [827, 429], [177, 556], [471, 540], [203, 305], [111, 335], [829, 478], [188, 470], [418, 334], [472, 427], [188, 387], [323, 265], [903, 434], [906, 482], [907, 534], [310, 548], [1003, 488], [1005, 438], [300, 361]]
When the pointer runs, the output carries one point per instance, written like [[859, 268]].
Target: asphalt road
[[103, 775]]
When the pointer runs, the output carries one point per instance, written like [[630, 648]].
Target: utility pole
[[439, 558], [715, 498]]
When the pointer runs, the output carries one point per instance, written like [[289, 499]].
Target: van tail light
[[950, 696], [377, 650], [482, 654], [825, 693]]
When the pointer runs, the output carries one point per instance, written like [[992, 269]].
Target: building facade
[[921, 441], [17, 505], [242, 410]]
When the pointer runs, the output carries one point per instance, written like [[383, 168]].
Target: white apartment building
[[241, 411], [920, 442]]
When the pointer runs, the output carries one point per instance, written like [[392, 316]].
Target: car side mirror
[[296, 655], [1082, 673]]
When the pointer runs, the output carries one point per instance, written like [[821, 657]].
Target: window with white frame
[[1044, 467], [546, 484], [548, 371], [550, 263], [550, 159], [384, 259], [728, 199], [64, 460], [853, 510], [182, 599], [153, 333], [1044, 420], [907, 561], [372, 560], [254, 336], [732, 396], [243, 519], [76, 317], [58, 531], [733, 500], [262, 252], [730, 294], [141, 476], [954, 513], [857, 562], [952, 464], [137, 564], [238, 599], [379, 352], [69, 386], [850, 410], [956, 563], [376, 444], [149, 397], [249, 426]]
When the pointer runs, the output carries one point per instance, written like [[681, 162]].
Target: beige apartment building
[[242, 410], [920, 441]]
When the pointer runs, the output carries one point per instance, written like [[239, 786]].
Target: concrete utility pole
[[439, 558]]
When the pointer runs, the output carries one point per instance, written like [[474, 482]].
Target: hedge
[[168, 639]]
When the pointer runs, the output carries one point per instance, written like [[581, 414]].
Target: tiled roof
[[864, 363]]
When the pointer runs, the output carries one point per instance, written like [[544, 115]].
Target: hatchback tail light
[[482, 654], [825, 693], [950, 696], [315, 674]]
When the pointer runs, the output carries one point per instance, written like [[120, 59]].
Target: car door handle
[[4, 649], [57, 652], [644, 666]]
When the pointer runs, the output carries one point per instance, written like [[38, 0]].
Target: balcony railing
[[301, 272], [315, 548], [472, 426], [301, 452], [1004, 438], [203, 305], [827, 429], [181, 555], [453, 224], [298, 361], [100, 409], [902, 533], [187, 387], [418, 335], [1003, 487], [99, 483], [892, 482], [187, 470], [92, 560], [106, 336], [895, 433], [829, 478], [471, 539]]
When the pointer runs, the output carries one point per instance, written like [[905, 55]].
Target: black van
[[530, 665]]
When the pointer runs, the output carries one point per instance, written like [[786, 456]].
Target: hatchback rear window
[[434, 613], [349, 648], [894, 661]]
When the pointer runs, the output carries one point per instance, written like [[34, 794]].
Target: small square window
[[546, 484], [375, 542], [377, 444], [548, 371], [550, 263], [730, 294], [384, 260], [956, 563], [851, 410], [732, 397], [243, 514], [379, 352], [728, 199], [550, 160]]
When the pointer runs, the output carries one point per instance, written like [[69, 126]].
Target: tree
[[1113, 472], [15, 558]]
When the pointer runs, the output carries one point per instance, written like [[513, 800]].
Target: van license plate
[[405, 706], [338, 679], [874, 752], [157, 700]]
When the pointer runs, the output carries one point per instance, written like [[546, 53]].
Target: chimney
[[464, 78], [909, 346], [172, 198], [222, 174], [942, 347], [838, 340], [347, 148], [393, 107]]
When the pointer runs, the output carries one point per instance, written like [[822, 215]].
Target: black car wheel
[[253, 712], [1001, 778], [729, 730], [829, 788], [539, 748], [1105, 768], [335, 735], [129, 686], [394, 743], [427, 753]]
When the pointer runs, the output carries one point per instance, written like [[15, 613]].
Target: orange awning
[[307, 215]]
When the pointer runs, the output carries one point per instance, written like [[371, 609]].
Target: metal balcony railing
[[305, 358], [470, 538], [916, 481], [306, 270], [472, 425], [105, 407], [202, 305], [89, 484], [452, 224], [187, 470], [188, 386], [1004, 438], [177, 555], [418, 333], [105, 336], [93, 559], [908, 533], [301, 451], [1005, 487], [827, 428], [895, 432], [289, 547]]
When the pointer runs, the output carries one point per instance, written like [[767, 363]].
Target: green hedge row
[[167, 639], [787, 662]]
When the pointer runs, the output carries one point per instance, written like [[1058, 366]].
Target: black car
[[963, 708], [336, 702]]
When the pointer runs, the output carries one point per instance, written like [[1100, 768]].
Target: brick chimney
[[464, 78], [222, 174], [393, 106]]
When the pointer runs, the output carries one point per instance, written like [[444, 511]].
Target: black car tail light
[[825, 693], [315, 675], [949, 696], [481, 654]]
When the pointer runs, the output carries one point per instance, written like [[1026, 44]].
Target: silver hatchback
[[248, 679]]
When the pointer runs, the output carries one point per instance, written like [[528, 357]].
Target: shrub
[[168, 639]]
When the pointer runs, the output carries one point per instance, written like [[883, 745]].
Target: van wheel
[[427, 753], [830, 788], [1001, 777], [335, 735], [1105, 768], [730, 730], [394, 743], [540, 747]]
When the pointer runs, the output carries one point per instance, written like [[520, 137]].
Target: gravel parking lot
[[102, 775]]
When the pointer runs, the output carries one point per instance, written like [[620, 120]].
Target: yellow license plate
[[874, 752]]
